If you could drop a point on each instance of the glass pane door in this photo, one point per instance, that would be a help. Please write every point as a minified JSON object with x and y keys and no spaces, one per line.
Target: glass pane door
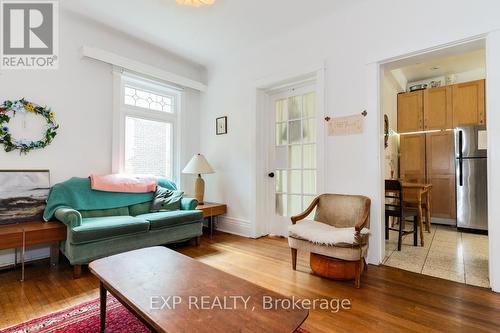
{"x":295,"y":153}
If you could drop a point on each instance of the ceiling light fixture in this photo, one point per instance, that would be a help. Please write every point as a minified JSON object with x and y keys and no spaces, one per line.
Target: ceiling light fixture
{"x":195,"y":3}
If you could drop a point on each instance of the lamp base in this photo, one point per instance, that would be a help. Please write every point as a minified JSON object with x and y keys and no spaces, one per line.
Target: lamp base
{"x":199,"y":189}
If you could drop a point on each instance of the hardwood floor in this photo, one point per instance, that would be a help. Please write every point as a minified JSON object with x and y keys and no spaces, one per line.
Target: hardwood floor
{"x":390,"y":300}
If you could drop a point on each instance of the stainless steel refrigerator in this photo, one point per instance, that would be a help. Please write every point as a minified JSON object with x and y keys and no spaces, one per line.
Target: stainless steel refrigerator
{"x":471,"y":178}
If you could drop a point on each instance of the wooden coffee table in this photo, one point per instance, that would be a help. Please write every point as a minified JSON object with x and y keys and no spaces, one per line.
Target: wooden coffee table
{"x":170,"y":292}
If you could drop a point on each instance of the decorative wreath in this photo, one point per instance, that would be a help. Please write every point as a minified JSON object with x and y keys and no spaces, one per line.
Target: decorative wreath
{"x":23,"y":106}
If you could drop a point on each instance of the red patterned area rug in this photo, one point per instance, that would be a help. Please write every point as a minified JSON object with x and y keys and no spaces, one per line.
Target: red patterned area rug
{"x":84,"y":318}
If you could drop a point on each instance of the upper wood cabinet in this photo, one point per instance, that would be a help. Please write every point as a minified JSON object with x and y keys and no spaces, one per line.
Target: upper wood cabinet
{"x":438,"y":108}
{"x":468,"y":103}
{"x":412,"y":157}
{"x":442,"y":108}
{"x":410,"y":112}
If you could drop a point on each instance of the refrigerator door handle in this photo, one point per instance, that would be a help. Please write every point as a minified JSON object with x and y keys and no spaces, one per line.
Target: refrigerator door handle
{"x":460,"y":172}
{"x":460,"y":159}
{"x":460,"y":144}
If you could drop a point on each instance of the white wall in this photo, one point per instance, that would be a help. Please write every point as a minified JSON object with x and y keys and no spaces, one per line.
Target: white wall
{"x":80,"y":92}
{"x":348,"y":42}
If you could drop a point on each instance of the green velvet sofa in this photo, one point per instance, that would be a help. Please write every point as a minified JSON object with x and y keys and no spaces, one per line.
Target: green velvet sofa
{"x":97,"y":233}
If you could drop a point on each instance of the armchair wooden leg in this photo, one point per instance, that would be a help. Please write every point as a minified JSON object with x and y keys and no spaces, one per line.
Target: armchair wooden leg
{"x":294,"y":259}
{"x":365,"y":265}
{"x":197,"y":241}
{"x":77,"y":271}
{"x":359,"y":269}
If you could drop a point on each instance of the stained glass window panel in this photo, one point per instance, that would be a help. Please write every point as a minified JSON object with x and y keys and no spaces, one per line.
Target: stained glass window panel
{"x":147,"y":100}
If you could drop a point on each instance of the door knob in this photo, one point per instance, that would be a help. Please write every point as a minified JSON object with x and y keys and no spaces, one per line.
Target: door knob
{"x":271,"y":174}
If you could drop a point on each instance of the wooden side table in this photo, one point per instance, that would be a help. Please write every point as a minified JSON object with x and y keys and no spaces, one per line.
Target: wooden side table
{"x":22,"y":235}
{"x":212,"y":211}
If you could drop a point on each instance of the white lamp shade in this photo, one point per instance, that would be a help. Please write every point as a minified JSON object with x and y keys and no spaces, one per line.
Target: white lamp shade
{"x":198,"y":165}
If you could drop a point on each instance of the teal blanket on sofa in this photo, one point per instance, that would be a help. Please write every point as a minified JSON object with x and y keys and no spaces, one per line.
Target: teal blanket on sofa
{"x":76,"y":193}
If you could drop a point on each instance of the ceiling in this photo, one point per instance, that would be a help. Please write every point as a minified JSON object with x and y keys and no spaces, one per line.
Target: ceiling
{"x":443,"y":66}
{"x":205,"y":34}
{"x":460,"y":58}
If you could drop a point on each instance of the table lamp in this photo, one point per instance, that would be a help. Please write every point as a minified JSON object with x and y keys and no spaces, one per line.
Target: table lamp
{"x":198,"y":165}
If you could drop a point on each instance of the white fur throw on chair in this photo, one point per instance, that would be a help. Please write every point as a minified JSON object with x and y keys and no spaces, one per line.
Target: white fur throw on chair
{"x":324,"y":234}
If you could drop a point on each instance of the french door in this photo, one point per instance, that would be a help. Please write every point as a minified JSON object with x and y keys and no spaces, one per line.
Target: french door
{"x":293,"y":155}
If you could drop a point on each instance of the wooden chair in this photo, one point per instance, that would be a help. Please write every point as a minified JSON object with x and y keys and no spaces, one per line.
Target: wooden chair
{"x":411,"y":200}
{"x":395,"y":207}
{"x":413,"y":204}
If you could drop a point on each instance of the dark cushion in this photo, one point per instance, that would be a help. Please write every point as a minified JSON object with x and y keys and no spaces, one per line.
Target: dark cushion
{"x":121,"y":211}
{"x":98,"y":228}
{"x":165,"y":199}
{"x":138,"y":209}
{"x":168,"y":219}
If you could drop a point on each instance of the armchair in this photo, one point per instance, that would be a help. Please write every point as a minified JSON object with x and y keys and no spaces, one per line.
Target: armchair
{"x":339,"y":230}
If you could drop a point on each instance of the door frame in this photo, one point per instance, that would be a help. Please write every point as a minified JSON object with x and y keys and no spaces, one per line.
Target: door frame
{"x":260,"y":182}
{"x":374,"y":101}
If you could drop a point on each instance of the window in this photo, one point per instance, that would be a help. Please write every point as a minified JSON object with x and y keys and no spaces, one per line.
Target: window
{"x":295,"y":146}
{"x":148,"y":147}
{"x":148,"y":117}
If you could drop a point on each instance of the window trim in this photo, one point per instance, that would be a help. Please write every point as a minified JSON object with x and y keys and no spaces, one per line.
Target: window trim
{"x":122,"y":110}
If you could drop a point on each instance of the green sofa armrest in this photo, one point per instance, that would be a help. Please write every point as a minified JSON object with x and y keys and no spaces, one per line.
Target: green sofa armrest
{"x":189,"y":204}
{"x":72,"y":218}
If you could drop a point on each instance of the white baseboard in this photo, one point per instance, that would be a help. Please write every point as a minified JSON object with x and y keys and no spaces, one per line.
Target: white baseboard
{"x":7,"y":257}
{"x":234,"y":226}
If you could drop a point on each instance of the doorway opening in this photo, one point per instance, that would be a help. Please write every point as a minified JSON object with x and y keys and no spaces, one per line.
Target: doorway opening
{"x":433,"y":106}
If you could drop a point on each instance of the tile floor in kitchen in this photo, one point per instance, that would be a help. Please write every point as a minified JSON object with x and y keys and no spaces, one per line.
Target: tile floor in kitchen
{"x":447,"y":254}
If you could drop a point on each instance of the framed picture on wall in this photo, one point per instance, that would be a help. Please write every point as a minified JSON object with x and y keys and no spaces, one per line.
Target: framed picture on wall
{"x":23,"y":195}
{"x":221,"y":125}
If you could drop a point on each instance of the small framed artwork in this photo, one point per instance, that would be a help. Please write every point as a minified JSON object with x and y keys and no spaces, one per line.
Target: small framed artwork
{"x":221,"y":126}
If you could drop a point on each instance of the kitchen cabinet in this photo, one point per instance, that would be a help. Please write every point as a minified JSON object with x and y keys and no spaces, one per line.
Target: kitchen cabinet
{"x":440,"y":147}
{"x":430,"y":158}
{"x":412,"y":157}
{"x":410,"y":111}
{"x":442,"y":108}
{"x":438,"y":108}
{"x":443,"y":203}
{"x":440,"y":167}
{"x":412,"y":162}
{"x":469,"y":103}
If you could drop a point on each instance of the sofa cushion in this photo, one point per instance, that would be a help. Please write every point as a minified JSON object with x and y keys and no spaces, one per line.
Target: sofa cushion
{"x":121,"y":211}
{"x":167,"y":219}
{"x":138,"y":209}
{"x":98,"y":228}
